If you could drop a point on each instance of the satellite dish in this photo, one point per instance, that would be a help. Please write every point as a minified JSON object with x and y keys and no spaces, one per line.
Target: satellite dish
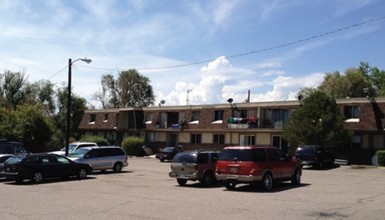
{"x":230,"y":100}
{"x":162,"y":102}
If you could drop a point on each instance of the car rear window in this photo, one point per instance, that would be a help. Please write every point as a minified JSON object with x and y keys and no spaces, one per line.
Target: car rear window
{"x":254,"y":155}
{"x":6,"y":149}
{"x":306,"y":150}
{"x":185,"y":158}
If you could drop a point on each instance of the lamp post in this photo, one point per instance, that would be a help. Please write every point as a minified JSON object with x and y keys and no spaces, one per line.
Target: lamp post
{"x":70,"y":62}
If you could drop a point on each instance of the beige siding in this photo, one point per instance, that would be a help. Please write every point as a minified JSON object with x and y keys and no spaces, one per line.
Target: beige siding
{"x":184,"y":137}
{"x":207,"y":138}
{"x":262,"y":139}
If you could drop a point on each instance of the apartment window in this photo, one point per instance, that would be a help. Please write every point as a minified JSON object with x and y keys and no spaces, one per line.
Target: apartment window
{"x":246,"y":140}
{"x":219,"y":139}
{"x":218,"y":115}
{"x":196,"y":138}
{"x":148,"y":118}
{"x":92,"y":119}
{"x":352,"y":112}
{"x":149,"y":137}
{"x":105,"y":117}
{"x":195,"y":115}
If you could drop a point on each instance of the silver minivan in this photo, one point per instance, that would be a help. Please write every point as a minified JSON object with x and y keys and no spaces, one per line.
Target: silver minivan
{"x":101,"y":158}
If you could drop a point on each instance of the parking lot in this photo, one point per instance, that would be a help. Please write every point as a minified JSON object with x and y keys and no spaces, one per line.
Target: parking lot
{"x":144,"y":191}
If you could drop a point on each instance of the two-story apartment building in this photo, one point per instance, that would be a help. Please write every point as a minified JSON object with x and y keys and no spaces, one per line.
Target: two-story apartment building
{"x":218,"y":125}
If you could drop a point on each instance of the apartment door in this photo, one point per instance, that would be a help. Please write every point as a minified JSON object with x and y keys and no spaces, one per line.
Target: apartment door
{"x":172,"y":139}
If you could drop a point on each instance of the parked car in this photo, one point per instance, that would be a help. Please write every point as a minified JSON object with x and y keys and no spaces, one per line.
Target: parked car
{"x":194,"y":165}
{"x":101,"y":158}
{"x":11,"y":147}
{"x":74,"y":146}
{"x":248,"y":164}
{"x":315,"y":156}
{"x":168,"y":153}
{"x":37,"y":167}
{"x":3,"y":158}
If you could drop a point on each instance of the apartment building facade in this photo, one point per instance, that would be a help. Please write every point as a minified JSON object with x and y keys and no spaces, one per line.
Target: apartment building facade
{"x":219,"y":125}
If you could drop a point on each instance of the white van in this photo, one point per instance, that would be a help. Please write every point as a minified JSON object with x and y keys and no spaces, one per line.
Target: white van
{"x":74,"y":146}
{"x":101,"y":158}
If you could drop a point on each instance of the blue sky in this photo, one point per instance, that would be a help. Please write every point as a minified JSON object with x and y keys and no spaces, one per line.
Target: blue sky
{"x":214,"y":49}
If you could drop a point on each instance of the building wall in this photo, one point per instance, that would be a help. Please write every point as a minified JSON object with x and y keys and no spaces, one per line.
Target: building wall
{"x":368,"y":130}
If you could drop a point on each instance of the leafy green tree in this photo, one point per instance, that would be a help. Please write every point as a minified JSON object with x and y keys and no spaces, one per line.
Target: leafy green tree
{"x":26,"y":124}
{"x":355,"y":82}
{"x":318,"y":121}
{"x":43,"y":92}
{"x":31,"y":127}
{"x":14,"y":88}
{"x":131,"y":89}
{"x":78,"y":105}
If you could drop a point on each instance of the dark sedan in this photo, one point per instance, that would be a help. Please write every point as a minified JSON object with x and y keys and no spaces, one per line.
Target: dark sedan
{"x":37,"y":167}
{"x":168,"y":153}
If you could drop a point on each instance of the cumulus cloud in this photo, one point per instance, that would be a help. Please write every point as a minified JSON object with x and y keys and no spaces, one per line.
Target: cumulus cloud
{"x":220,"y":80}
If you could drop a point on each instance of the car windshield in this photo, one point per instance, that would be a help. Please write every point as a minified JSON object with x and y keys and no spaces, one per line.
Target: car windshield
{"x":79,"y":153}
{"x":168,"y":149}
{"x":13,"y":160}
{"x":71,"y":147}
{"x":185,"y":158}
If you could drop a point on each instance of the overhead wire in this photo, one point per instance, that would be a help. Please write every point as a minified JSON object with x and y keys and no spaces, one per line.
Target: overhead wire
{"x":246,"y":53}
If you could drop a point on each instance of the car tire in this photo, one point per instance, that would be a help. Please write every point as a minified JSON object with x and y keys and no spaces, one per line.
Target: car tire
{"x":82,"y":174}
{"x":161,"y":159}
{"x":118,"y":167}
{"x":181,"y":182}
{"x":267,"y":182}
{"x":37,"y":177}
{"x":296,"y":178}
{"x":208,"y":179}
{"x":230,"y":185}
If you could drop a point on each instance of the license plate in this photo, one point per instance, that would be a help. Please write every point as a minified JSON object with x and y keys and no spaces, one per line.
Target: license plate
{"x":233,"y":169}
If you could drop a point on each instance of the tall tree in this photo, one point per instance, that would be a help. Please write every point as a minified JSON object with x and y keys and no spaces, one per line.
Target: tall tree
{"x":14,"y":88}
{"x":78,"y":106}
{"x":318,"y":121}
{"x":355,"y":82}
{"x":131,"y":89}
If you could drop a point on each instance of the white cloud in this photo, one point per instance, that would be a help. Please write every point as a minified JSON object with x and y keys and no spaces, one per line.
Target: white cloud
{"x":220,"y":62}
{"x":220,"y":81}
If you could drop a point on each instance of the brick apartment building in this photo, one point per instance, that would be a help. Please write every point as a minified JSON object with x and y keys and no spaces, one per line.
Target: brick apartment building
{"x":219,"y":125}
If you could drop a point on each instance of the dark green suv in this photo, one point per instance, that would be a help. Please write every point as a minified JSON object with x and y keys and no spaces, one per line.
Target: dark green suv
{"x":11,"y":147}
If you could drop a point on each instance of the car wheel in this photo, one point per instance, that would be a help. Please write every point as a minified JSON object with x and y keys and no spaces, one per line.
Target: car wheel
{"x":82,"y":173}
{"x":208,"y":179}
{"x":267,"y":182}
{"x":181,"y":182}
{"x":230,"y":185}
{"x":296,"y":178}
{"x":118,"y":167}
{"x":37,"y":177}
{"x":161,"y":159}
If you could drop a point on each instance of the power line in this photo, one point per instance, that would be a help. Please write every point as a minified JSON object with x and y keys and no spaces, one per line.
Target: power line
{"x":250,"y":52}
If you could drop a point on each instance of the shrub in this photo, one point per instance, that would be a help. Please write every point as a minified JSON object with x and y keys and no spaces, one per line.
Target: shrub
{"x":133,"y":146}
{"x":93,"y":138}
{"x":380,"y":157}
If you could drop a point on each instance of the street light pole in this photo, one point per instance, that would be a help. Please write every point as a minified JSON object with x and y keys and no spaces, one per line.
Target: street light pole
{"x":70,"y":62}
